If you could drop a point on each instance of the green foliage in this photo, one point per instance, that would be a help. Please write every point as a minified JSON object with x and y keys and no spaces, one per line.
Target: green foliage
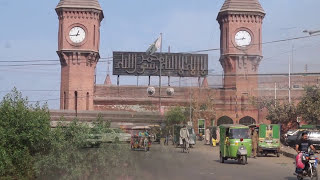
{"x":99,"y":126}
{"x":24,"y":132}
{"x":309,"y":106}
{"x":69,"y":159}
{"x":278,"y":113}
{"x":175,"y":116}
{"x":283,"y":113}
{"x":29,"y":148}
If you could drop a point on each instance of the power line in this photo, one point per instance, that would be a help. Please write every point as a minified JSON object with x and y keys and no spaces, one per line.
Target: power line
{"x":198,"y":51}
{"x":255,"y":44}
{"x":185,"y":79}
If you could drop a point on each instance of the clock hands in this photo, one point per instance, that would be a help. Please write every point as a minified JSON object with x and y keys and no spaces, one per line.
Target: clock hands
{"x":78,"y":33}
{"x":241,"y":38}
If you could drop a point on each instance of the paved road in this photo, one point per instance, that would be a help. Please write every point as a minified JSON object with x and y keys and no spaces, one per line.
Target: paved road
{"x":202,"y":163}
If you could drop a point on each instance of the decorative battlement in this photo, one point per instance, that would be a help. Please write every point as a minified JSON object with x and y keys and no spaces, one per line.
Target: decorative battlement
{"x":80,"y":14}
{"x":74,"y":57}
{"x":245,"y":17}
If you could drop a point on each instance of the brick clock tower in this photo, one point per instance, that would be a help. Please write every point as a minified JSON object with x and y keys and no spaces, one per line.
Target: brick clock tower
{"x":78,"y":50}
{"x":240,"y":41}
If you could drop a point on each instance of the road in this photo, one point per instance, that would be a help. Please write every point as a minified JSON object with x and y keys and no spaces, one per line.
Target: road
{"x":202,"y":163}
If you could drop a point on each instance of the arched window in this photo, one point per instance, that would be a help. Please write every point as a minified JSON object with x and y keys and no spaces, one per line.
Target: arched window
{"x":247,"y":121}
{"x":224,"y":120}
{"x":64,"y":100}
{"x":242,"y":104}
{"x":76,"y":100}
{"x":94,"y":35}
{"x":87,"y":101}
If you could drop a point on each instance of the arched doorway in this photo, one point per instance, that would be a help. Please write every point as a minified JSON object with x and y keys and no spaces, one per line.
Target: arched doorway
{"x":224,"y":120}
{"x":247,"y":121}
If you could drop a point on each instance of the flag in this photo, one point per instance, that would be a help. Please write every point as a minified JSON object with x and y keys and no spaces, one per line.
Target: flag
{"x":155,"y":46}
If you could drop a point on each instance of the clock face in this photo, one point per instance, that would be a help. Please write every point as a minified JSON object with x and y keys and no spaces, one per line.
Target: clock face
{"x":243,"y":38}
{"x":77,"y":34}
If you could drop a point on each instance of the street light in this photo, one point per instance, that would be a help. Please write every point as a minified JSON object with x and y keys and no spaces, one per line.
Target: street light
{"x":152,"y":91}
{"x":311,"y":32}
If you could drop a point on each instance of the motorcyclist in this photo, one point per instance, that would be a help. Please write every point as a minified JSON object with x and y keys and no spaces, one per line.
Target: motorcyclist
{"x":304,"y":143}
{"x":302,"y":146}
{"x":184,"y":135}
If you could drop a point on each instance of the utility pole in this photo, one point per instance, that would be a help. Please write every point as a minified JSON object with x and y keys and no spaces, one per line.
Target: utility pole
{"x":160,"y":86}
{"x":306,"y":68}
{"x":275,"y":93}
{"x":160,"y":64}
{"x":190,"y":108}
{"x":289,"y":80}
{"x":161,"y":43}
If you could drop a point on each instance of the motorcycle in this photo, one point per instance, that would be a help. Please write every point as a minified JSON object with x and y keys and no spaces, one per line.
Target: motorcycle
{"x":310,"y":162}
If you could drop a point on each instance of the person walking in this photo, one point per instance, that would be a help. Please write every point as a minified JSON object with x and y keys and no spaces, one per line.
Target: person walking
{"x":184,"y":136}
{"x":255,"y":139}
{"x":218,"y":135}
{"x":207,"y":136}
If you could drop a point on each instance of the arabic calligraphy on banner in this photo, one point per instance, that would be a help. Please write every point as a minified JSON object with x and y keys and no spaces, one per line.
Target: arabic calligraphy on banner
{"x":171,"y":64}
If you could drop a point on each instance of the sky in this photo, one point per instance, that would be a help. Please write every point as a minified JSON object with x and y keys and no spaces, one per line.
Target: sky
{"x":29,"y":31}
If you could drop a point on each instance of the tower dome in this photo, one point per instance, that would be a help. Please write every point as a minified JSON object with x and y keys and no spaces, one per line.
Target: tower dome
{"x":90,"y":4}
{"x":241,"y":6}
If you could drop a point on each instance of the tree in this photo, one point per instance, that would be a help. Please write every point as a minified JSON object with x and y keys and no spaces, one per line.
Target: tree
{"x":68,"y":157}
{"x":278,"y":113}
{"x":309,"y":106}
{"x":174,"y":116}
{"x":30,"y":149}
{"x":24,"y":133}
{"x":203,"y":105}
{"x":283,"y":113}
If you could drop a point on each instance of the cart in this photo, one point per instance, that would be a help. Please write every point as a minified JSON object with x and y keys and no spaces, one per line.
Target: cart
{"x":140,"y":138}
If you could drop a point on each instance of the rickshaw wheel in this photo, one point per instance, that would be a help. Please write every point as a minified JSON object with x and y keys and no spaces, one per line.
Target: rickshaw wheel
{"x":244,"y":160}
{"x":221,"y":158}
{"x":278,"y":155}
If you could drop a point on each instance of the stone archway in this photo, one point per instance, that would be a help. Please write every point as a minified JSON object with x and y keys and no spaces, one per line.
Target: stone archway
{"x":224,"y":120}
{"x":247,"y":121}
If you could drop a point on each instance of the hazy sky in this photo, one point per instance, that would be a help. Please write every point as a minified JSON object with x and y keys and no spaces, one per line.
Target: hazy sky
{"x":28,"y":31}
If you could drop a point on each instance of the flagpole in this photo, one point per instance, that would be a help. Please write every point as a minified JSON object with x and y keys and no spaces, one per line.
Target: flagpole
{"x":161,"y":42}
{"x":160,"y":75}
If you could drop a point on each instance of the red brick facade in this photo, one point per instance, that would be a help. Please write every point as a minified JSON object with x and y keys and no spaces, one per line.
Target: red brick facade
{"x":231,"y":103}
{"x":78,"y":60}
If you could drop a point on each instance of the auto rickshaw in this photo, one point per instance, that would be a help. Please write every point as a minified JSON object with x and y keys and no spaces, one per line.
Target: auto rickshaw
{"x":269,"y":139}
{"x":140,"y":138}
{"x":235,"y":143}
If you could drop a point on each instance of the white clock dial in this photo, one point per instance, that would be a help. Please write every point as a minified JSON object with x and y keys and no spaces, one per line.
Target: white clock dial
{"x":243,"y":38}
{"x":77,"y":34}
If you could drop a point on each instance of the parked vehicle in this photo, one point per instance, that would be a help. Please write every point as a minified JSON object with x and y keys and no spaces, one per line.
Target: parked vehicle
{"x":269,"y":139}
{"x":176,"y":135}
{"x":140,"y":138}
{"x":284,"y":137}
{"x":113,"y":135}
{"x":109,"y":136}
{"x":235,"y":143}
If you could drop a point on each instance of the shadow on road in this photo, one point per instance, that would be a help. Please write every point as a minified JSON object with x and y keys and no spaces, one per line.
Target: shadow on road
{"x":228,"y":161}
{"x":290,"y":178}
